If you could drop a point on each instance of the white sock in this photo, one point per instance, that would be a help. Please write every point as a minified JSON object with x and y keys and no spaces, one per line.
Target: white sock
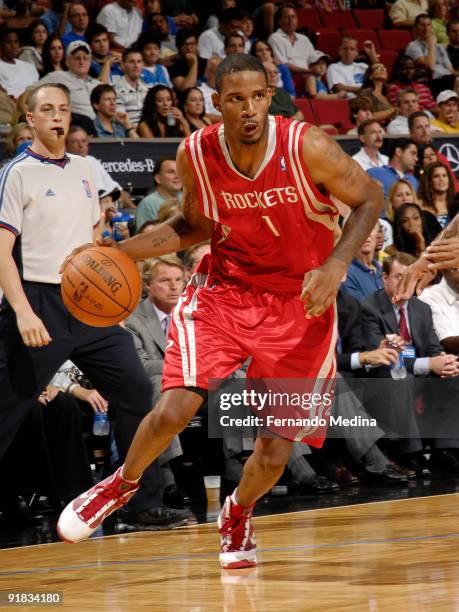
{"x":130,"y":481}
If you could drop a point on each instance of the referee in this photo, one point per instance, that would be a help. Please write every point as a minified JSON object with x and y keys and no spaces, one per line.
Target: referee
{"x":48,"y":206}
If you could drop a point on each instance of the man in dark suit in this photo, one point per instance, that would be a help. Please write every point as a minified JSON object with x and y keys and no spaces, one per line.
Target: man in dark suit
{"x":410,"y":322}
{"x":149,"y":324}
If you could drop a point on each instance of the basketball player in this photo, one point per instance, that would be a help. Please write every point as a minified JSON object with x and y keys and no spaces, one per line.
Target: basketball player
{"x":49,"y":204}
{"x":442,"y":254}
{"x":256,"y":185}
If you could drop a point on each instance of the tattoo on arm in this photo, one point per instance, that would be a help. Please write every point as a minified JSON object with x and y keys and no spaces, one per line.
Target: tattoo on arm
{"x":350,"y":174}
{"x":334,"y":153}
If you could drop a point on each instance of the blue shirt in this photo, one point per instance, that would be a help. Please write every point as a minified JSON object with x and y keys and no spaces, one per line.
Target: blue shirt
{"x":70,"y":37}
{"x":388,"y":175}
{"x":361,"y":281}
{"x":118,"y":129}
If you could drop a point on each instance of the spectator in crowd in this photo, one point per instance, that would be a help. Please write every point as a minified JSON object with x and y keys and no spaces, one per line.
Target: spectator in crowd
{"x":37,"y":33}
{"x":403,"y":78}
{"x":440,"y":19}
{"x":412,"y":322}
{"x":77,"y":79}
{"x":411,"y":232}
{"x":208,"y":88}
{"x":188,"y":68}
{"x":192,"y":107}
{"x":149,"y":326}
{"x":347,"y":74}
{"x":193,"y":256}
{"x":212,"y":42}
{"x":371,"y":135}
{"x":403,"y":155}
{"x":407,"y":103}
{"x":131,"y":91}
{"x":401,"y":192}
{"x":168,"y":185}
{"x":430,"y":56}
{"x":427,"y":154}
{"x":453,"y":46}
{"x":404,"y":12}
{"x":281,"y":102}
{"x":359,"y":111}
{"x":435,"y":190}
{"x":421,"y":134}
{"x":234,"y":43}
{"x":443,"y":300}
{"x":448,"y":112}
{"x":19,"y":134}
{"x":153,"y":73}
{"x":78,"y":17}
{"x":248,"y":29}
{"x":221,"y":5}
{"x":374,"y":87}
{"x":262,"y":50}
{"x":316,"y":83}
{"x":15,"y":74}
{"x":53,"y":55}
{"x":364,"y":274}
{"x":160,"y":27}
{"x":109,"y":122}
{"x":289,"y":47}
{"x":77,"y":142}
{"x":160,"y":118}
{"x":105,"y":63}
{"x":123,"y":22}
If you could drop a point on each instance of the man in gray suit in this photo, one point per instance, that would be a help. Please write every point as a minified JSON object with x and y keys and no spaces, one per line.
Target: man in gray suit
{"x":164,"y":279}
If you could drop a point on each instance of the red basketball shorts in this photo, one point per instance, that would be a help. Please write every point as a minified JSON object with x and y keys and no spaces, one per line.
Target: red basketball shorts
{"x":216,"y":327}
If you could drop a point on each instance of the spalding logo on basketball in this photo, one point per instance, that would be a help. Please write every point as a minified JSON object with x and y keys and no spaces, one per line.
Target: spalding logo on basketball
{"x":101,"y":286}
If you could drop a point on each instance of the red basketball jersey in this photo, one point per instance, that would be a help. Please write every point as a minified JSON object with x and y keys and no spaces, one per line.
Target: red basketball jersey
{"x":272,"y":229}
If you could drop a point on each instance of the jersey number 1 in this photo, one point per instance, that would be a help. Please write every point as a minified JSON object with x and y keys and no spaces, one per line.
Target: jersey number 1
{"x":271,"y":225}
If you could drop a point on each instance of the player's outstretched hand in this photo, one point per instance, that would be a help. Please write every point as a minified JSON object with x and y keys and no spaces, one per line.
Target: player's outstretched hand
{"x":320,"y":287}
{"x":444,"y":254}
{"x":32,"y":330}
{"x":73,"y":253}
{"x":415,"y":278}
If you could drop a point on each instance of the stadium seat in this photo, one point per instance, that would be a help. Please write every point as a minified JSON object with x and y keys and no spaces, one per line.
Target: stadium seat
{"x":371,"y":20}
{"x":310,"y":19}
{"x":332,"y":112}
{"x":362,"y":35}
{"x":299,"y":80}
{"x":396,"y":40}
{"x":388,"y":57}
{"x":304,"y":105}
{"x":328,"y":41}
{"x":337,"y":20}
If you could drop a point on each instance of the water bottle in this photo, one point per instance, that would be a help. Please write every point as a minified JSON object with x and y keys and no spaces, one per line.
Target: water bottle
{"x":118,"y":220}
{"x":171,"y":121}
{"x":101,"y":424}
{"x":398,"y":369}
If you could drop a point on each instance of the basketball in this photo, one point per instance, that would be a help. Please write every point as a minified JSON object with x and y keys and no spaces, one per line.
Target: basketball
{"x":101,"y":286}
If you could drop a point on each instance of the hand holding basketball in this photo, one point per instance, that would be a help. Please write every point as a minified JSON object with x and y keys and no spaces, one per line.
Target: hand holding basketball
{"x":101,"y":286}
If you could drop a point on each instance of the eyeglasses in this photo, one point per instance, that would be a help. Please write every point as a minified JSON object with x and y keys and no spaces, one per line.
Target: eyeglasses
{"x":379,"y":68}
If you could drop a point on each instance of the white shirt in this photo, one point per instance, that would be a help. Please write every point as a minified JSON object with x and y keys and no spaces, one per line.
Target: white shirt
{"x":53,"y":208}
{"x":399,"y":125}
{"x":16,"y":77}
{"x":362,"y":158}
{"x":164,"y":318}
{"x":285,"y":52}
{"x":104,"y":182}
{"x":444,"y":304}
{"x":346,"y":74}
{"x":130,"y":99}
{"x":125,"y":25}
{"x":211,"y":42}
{"x":208,"y":104}
{"x":80,"y":90}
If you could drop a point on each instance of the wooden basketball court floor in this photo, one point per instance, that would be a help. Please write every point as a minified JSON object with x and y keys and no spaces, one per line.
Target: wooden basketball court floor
{"x":394,"y":555}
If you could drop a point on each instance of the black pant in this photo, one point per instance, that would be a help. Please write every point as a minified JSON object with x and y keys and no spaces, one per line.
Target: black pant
{"x":107,"y":356}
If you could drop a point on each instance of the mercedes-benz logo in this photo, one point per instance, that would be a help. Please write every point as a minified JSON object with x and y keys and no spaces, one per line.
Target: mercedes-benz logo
{"x":452,"y":154}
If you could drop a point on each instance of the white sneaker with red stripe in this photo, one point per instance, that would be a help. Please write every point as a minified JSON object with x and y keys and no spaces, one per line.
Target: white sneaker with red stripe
{"x":238,"y":546}
{"x":82,"y":516}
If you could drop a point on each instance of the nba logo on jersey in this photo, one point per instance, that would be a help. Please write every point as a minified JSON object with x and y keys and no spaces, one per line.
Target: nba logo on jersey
{"x":87,"y":188}
{"x":282,"y":164}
